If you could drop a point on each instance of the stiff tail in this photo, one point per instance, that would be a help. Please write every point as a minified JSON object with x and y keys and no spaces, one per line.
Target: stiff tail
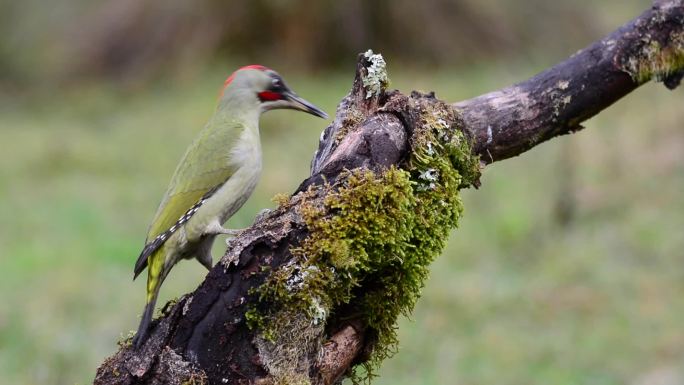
{"x":155,"y":277}
{"x":144,"y":328}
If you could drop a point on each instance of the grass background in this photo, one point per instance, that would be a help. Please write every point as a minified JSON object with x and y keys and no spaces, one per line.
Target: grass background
{"x":520,"y":296}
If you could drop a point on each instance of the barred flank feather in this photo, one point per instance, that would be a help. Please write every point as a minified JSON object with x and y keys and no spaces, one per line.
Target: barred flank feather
{"x":159,"y":240}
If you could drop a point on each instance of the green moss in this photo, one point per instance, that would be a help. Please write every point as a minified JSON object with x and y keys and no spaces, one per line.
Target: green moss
{"x":372,"y":238}
{"x":126,"y":340}
{"x":651,"y":60}
{"x":256,"y":320}
{"x":281,"y":199}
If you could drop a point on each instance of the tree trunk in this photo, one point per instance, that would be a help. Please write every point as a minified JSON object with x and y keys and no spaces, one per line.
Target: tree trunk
{"x":313,"y":289}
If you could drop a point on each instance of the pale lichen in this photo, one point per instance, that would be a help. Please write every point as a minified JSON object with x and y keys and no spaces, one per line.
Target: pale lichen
{"x":375,"y":80}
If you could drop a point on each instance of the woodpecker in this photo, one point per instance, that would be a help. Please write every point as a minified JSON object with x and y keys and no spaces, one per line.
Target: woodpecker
{"x":217,"y":174}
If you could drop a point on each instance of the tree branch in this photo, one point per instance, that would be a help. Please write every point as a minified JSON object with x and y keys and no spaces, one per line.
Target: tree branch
{"x":510,"y":121}
{"x":213,"y":334}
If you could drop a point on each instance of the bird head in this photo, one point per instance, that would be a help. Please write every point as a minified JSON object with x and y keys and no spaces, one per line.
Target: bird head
{"x":266,"y":88}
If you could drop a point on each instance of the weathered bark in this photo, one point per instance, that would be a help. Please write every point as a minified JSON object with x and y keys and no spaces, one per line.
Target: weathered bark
{"x":204,"y":337}
{"x":510,"y":121}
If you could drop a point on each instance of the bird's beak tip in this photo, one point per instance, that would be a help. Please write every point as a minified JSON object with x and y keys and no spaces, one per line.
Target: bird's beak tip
{"x":303,"y":105}
{"x":313,"y":110}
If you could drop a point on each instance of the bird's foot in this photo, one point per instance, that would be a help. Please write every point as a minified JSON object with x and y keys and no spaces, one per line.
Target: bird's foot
{"x":231,"y":232}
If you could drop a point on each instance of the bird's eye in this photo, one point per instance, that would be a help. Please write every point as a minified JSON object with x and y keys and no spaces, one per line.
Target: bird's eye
{"x":276,"y":83}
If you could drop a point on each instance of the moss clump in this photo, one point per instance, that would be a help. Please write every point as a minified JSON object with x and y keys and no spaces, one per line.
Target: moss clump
{"x":281,"y":199}
{"x":372,"y":238}
{"x":126,"y":341}
{"x":283,"y":353}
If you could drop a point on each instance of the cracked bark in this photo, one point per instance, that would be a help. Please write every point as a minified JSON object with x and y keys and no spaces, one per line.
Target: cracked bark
{"x":203,"y":337}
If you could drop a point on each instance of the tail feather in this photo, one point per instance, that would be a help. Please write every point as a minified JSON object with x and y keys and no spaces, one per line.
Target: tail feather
{"x":156,"y":273}
{"x":147,"y":251}
{"x":144,"y":328}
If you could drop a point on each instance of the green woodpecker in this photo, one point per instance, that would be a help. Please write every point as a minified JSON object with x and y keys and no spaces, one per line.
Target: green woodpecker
{"x":213,"y":179}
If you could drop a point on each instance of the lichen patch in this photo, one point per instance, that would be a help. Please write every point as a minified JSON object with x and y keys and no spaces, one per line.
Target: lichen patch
{"x":375,"y":80}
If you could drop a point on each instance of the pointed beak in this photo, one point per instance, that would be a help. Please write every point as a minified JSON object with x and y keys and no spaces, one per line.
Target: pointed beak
{"x":297,"y":103}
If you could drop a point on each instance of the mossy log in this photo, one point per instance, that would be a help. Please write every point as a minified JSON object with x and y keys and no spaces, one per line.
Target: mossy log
{"x":313,"y":289}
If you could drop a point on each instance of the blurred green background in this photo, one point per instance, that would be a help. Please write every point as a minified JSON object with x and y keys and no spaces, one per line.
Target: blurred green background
{"x":568,"y":267}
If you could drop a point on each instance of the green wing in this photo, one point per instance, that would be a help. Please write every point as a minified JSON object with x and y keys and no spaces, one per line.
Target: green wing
{"x":204,"y":166}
